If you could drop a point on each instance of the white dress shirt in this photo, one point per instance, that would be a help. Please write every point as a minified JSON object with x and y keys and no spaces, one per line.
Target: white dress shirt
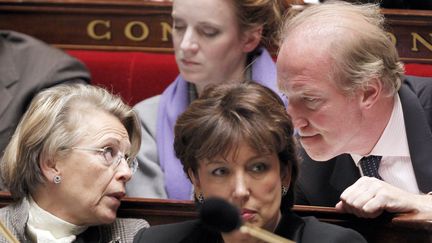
{"x":395,"y":167}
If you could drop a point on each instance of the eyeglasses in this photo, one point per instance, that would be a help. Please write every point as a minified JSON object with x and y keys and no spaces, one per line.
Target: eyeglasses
{"x":113,"y":157}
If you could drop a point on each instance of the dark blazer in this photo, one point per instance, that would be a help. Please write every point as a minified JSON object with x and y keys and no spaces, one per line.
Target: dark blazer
{"x":301,"y":230}
{"x":28,"y":65}
{"x":321,"y":183}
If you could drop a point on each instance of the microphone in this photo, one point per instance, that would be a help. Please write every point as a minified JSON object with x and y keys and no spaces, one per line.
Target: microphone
{"x":222,"y":216}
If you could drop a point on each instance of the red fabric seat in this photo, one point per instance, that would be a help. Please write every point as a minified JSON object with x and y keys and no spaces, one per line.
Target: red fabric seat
{"x":133,"y":75}
{"x":139,"y":75}
{"x":416,"y":69}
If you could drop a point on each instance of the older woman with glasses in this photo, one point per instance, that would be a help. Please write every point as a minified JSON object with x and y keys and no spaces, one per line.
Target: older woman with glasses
{"x":67,"y":165}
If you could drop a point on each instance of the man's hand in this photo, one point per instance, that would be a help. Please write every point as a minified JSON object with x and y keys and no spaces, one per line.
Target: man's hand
{"x":369,"y":197}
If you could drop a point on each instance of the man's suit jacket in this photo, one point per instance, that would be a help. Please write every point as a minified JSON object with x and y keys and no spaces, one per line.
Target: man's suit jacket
{"x":28,"y":65}
{"x":15,"y":217}
{"x":301,"y":230}
{"x":321,"y":183}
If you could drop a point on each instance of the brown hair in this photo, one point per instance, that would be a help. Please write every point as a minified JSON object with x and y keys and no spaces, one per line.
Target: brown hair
{"x":266,"y":13}
{"x":229,"y":114}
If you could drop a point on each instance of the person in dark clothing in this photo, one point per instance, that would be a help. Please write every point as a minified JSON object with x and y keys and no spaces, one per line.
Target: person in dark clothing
{"x":235,"y":142}
{"x":364,"y":127}
{"x":27,"y":66}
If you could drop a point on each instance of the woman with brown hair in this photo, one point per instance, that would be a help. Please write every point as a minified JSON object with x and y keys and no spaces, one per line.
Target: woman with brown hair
{"x":235,"y":142}
{"x":215,"y":42}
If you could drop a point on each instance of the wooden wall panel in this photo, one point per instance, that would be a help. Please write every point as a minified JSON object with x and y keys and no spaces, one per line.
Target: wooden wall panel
{"x":146,"y":25}
{"x":411,"y":32}
{"x":92,"y":24}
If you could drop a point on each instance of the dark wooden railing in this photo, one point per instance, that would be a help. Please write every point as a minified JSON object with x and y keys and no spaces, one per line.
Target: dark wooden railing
{"x":386,"y":228}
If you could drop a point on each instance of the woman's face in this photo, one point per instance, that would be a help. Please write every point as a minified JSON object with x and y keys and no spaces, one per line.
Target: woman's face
{"x":90,"y":191}
{"x":250,"y":180}
{"x":209,"y":47}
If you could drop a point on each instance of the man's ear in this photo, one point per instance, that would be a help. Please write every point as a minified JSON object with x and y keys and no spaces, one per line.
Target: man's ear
{"x":48,"y":168}
{"x":252,"y":38}
{"x":371,"y":93}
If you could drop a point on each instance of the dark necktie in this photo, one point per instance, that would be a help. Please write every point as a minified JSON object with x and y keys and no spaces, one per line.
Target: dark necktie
{"x":369,"y":166}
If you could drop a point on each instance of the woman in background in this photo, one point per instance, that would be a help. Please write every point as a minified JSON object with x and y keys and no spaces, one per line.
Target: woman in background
{"x":67,"y":165}
{"x":235,"y":142}
{"x":215,"y":42}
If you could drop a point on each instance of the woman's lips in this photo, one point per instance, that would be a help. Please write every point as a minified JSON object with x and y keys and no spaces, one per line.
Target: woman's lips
{"x":248,"y":215}
{"x":116,"y":197}
{"x":309,"y":138}
{"x":189,"y":62}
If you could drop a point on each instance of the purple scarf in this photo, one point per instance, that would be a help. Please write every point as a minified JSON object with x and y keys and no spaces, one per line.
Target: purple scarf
{"x":174,"y":100}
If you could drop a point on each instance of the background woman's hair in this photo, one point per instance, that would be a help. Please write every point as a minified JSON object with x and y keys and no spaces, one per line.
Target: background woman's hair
{"x":266,"y":13}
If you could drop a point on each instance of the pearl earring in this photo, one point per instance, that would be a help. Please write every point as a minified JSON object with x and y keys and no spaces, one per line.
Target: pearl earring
{"x":57,"y":179}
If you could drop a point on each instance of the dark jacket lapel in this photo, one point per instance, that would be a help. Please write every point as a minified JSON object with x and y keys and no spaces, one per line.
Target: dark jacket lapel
{"x":419,"y":138}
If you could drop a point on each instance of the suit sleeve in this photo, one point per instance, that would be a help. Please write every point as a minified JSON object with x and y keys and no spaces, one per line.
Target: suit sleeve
{"x":66,"y":69}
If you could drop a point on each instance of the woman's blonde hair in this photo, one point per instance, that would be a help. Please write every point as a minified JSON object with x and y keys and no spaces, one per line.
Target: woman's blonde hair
{"x":51,"y":124}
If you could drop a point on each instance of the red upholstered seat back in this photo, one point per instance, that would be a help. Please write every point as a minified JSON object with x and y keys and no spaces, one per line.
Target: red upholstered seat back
{"x":133,"y":75}
{"x":139,"y":75}
{"x":416,"y":69}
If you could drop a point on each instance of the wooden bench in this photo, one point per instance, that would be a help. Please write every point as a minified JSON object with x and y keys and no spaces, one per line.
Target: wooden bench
{"x":387,"y":228}
{"x":392,"y":228}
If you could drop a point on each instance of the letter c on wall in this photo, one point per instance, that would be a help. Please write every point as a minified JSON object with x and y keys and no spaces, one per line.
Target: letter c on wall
{"x":92,"y":32}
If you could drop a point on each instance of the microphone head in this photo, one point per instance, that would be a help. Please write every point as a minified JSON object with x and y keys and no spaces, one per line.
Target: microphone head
{"x":220,"y":215}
